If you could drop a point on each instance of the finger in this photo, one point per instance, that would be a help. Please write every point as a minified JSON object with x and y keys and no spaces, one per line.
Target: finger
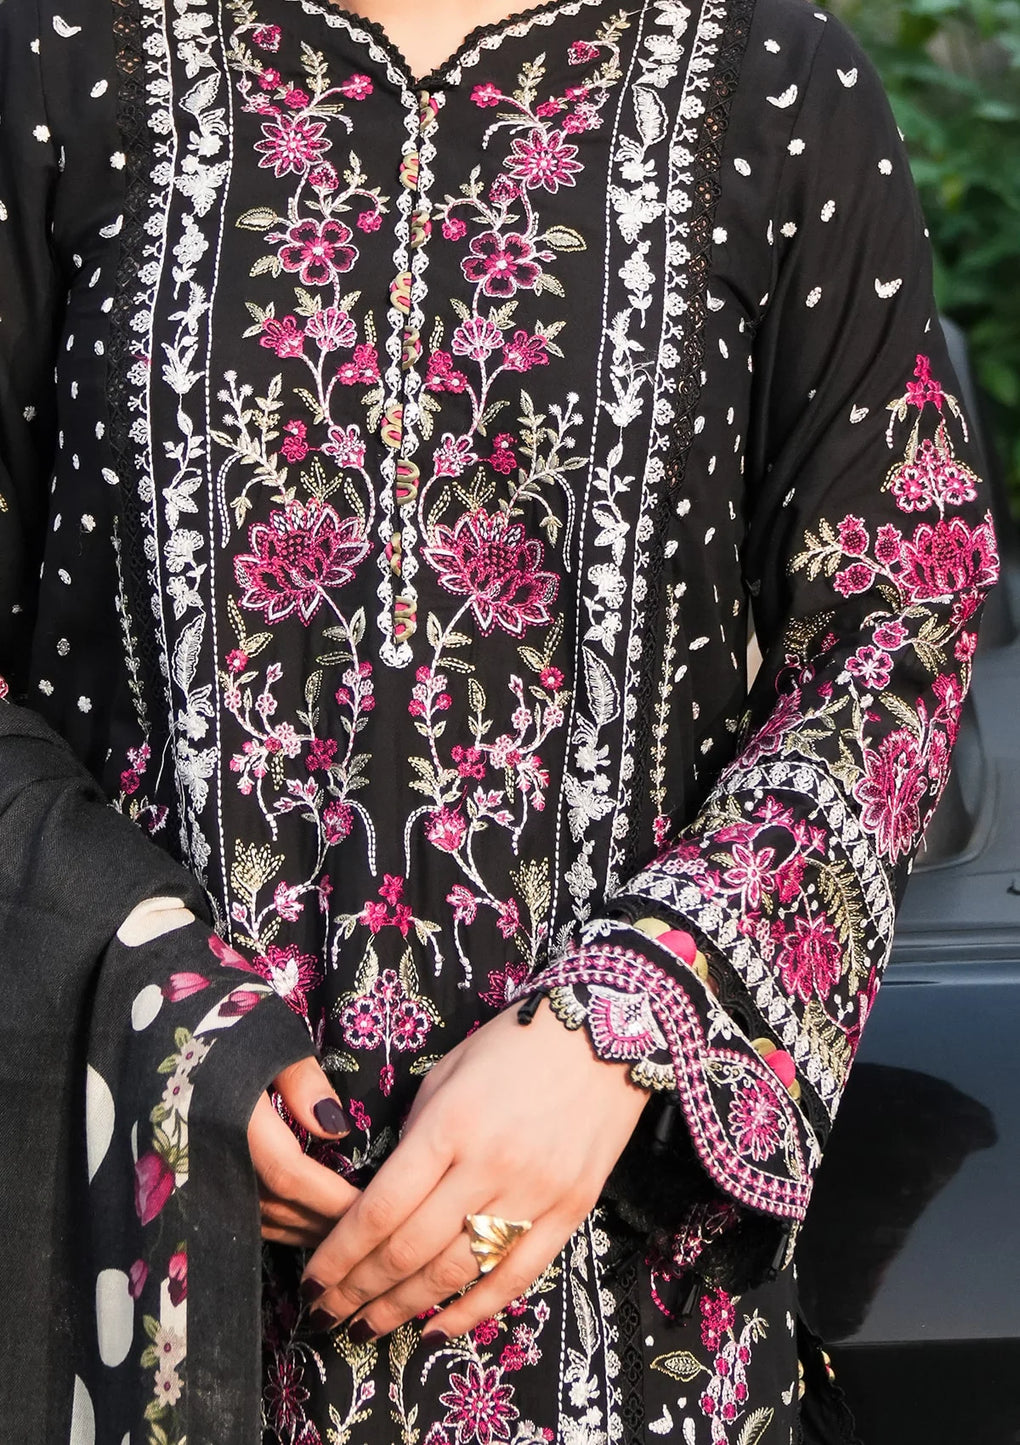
{"x":430,"y":1231}
{"x":297,"y":1238}
{"x":283,"y":1214}
{"x":285,"y":1172}
{"x":310,"y":1097}
{"x":407,"y":1178}
{"x":525,"y":1263}
{"x":444,"y":1275}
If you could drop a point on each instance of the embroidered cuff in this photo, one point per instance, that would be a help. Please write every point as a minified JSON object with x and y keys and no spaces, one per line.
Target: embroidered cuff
{"x":641,"y":1006}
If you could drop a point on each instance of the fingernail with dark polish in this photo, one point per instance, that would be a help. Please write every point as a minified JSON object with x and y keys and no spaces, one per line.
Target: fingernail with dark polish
{"x":321,"y":1320}
{"x":434,"y":1337}
{"x":360,"y":1332}
{"x":310,"y":1290}
{"x":331,"y":1117}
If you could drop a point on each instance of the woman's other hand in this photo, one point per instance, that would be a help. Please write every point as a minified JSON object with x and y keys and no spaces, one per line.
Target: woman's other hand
{"x":521,"y":1122}
{"x":300,"y":1200}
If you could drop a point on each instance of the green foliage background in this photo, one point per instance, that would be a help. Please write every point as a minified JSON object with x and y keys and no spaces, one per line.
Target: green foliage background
{"x":952,"y":70}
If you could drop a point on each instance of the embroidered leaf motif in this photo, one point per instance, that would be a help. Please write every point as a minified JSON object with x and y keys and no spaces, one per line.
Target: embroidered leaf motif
{"x":651,"y":115}
{"x":755,"y":1425}
{"x":339,"y":1063}
{"x":602,"y":693}
{"x":679,"y":1365}
{"x":564,"y":238}
{"x":259,"y":218}
{"x":587,"y":1329}
{"x":186,"y":652}
{"x":368,"y":971}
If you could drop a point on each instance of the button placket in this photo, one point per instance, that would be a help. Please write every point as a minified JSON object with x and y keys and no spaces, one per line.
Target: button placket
{"x":396,"y":435}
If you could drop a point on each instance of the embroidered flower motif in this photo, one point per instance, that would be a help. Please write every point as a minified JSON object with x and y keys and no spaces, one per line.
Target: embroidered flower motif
{"x":290,"y":974}
{"x":478,"y":1406}
{"x":331,"y":329}
{"x":454,"y":455}
{"x":267,"y":37}
{"x":524,"y":352}
{"x":488,"y":560}
{"x":357,"y":87}
{"x":337,"y":821}
{"x":477,"y":338}
{"x":487,"y":94}
{"x":890,"y":792}
{"x":292,"y":144}
{"x":871,"y":667}
{"x":502,"y":265}
{"x":297,"y":558}
{"x":925,"y":389}
{"x":946,"y":557}
{"x":362,"y":369}
{"x":810,"y":957}
{"x":544,"y":161}
{"x":284,"y":337}
{"x":446,"y":830}
{"x":755,"y":1122}
{"x":345,"y":446}
{"x":317,"y":251}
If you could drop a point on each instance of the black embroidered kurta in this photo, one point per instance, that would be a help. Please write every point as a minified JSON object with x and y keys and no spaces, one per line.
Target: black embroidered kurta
{"x":405,"y":460}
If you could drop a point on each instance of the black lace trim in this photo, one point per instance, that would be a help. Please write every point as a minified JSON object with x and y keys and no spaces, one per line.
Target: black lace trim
{"x":471,"y":41}
{"x":151,"y":701}
{"x":707,"y":165}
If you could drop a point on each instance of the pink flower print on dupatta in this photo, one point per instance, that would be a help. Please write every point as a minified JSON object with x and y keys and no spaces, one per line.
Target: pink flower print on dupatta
{"x":154,"y":1184}
{"x":292,"y":144}
{"x":317,"y":251}
{"x":488,"y":560}
{"x":296,"y":558}
{"x":478,"y":1406}
{"x":502,"y":265}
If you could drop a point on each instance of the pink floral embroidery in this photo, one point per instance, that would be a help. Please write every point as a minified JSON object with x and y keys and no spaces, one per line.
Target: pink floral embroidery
{"x":488,"y":560}
{"x":502,"y":265}
{"x":317,"y":251}
{"x":890,"y":792}
{"x":478,"y":1407}
{"x":755,"y":1122}
{"x":297,"y":559}
{"x":810,"y":957}
{"x":544,"y":160}
{"x":292,"y":144}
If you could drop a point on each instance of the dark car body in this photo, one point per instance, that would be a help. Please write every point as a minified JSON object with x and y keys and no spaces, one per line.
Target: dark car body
{"x":910,"y":1258}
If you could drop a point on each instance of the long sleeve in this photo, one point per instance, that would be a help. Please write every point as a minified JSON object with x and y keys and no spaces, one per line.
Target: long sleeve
{"x":30,"y":298}
{"x":868,"y":550}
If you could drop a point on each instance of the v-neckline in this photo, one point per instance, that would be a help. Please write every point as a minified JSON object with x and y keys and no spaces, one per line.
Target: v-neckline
{"x":395,"y":55}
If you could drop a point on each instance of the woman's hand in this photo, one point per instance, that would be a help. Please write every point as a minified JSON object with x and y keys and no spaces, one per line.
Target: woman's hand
{"x":521,"y":1122}
{"x":300,"y":1199}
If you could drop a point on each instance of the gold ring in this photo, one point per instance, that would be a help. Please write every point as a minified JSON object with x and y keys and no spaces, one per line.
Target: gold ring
{"x":492,"y":1238}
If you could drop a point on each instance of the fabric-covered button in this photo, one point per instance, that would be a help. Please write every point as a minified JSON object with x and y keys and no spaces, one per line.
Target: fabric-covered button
{"x":410,"y":349}
{"x":392,"y":429}
{"x":405,"y":621}
{"x":407,"y":481}
{"x":394,"y":554}
{"x":421,"y":229}
{"x":410,"y":168}
{"x":400,"y":292}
